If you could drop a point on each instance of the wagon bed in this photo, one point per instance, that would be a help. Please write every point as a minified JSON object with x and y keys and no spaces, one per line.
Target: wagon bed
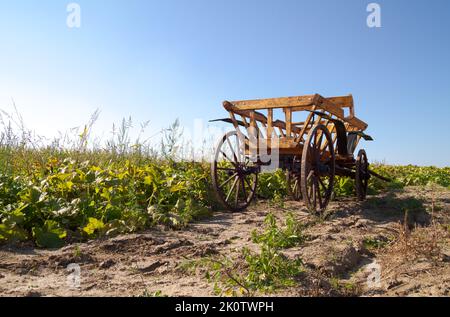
{"x":289,"y":133}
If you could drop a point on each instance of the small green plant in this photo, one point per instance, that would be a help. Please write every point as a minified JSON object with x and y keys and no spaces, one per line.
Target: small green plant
{"x":77,"y":252}
{"x":221,"y":272}
{"x":270,"y":270}
{"x":190,"y":266}
{"x":265,"y":271}
{"x":279,"y":238}
{"x":344,"y":288}
{"x":344,"y":186}
{"x":272,"y":186}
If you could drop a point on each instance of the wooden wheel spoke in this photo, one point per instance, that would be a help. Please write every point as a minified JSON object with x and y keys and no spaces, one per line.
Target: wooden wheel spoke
{"x":310,"y":175}
{"x":314,"y":139}
{"x":248,"y":183}
{"x":295,"y":186}
{"x":316,"y":150}
{"x":322,"y":150}
{"x":241,"y":151}
{"x":236,"y":195}
{"x":247,"y":161}
{"x":319,"y":145}
{"x":314,"y":193}
{"x":226,"y":156}
{"x":231,"y":189}
{"x":232,"y":151}
{"x":318,"y":193}
{"x":228,"y":180}
{"x":322,"y":184}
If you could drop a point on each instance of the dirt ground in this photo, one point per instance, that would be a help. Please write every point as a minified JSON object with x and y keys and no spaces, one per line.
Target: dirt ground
{"x":360,"y":249}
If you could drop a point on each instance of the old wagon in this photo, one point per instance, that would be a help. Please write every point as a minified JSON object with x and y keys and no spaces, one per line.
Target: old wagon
{"x":312,"y":151}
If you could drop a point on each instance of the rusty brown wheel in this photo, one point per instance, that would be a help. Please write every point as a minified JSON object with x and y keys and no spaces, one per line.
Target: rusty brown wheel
{"x":234,"y":175}
{"x":362,"y":175}
{"x":317,"y":169}
{"x":293,"y":181}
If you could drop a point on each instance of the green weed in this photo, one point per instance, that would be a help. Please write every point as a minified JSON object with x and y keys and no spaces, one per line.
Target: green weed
{"x":277,"y":237}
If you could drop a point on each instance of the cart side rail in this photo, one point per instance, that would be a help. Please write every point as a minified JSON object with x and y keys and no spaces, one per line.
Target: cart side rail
{"x":333,"y":105}
{"x":261,"y":123}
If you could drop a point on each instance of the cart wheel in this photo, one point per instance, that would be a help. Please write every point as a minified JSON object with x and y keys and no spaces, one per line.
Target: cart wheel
{"x":317,"y":169}
{"x":293,"y":185}
{"x":234,"y":175}
{"x":362,"y":175}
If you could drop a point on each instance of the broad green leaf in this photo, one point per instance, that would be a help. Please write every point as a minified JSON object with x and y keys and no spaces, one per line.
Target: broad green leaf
{"x":69,"y":185}
{"x":51,"y":235}
{"x":11,"y":234}
{"x":15,"y":217}
{"x":148,"y":180}
{"x":106,"y":194}
{"x":90,"y":177}
{"x":94,"y":225}
{"x":32,"y":195}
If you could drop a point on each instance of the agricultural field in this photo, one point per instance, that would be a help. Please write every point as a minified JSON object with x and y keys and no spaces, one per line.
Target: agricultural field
{"x":145,"y":223}
{"x":237,"y":153}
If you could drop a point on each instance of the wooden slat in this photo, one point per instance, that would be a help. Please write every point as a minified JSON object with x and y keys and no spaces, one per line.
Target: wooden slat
{"x":288,"y":102}
{"x":281,"y":143}
{"x":230,"y":107}
{"x":244,"y":119}
{"x":254,"y":127}
{"x":342,"y":101}
{"x":303,"y":108}
{"x":269,"y":123}
{"x":303,"y":130}
{"x":327,"y":105}
{"x":284,"y":102}
{"x":282,"y":125}
{"x":288,"y":115}
{"x":354,"y":121}
{"x":333,"y":137}
{"x":253,"y":119}
{"x":263,"y":130}
{"x":235,"y":124}
{"x":258,"y":116}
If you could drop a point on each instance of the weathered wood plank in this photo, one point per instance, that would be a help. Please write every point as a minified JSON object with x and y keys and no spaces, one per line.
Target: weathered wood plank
{"x":269,"y":123}
{"x":354,"y":121}
{"x":342,"y":101}
{"x":327,"y":105}
{"x":285,"y":102}
{"x":288,"y":114}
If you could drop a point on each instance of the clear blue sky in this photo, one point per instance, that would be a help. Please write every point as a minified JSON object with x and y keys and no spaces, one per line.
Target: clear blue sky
{"x":159,"y":60}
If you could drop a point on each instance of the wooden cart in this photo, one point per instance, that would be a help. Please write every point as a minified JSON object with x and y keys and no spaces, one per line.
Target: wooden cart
{"x":311,"y":152}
